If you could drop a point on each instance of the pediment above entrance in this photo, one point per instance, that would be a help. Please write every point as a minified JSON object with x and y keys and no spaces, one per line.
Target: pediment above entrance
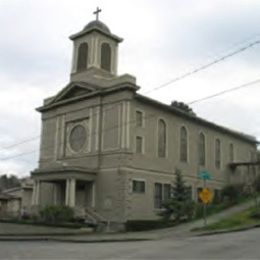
{"x":73,"y":90}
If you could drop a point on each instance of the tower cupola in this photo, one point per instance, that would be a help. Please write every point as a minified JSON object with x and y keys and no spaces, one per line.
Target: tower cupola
{"x":95,"y":47}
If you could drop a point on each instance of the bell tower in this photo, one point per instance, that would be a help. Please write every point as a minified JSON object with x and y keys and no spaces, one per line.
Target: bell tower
{"x":95,"y":50}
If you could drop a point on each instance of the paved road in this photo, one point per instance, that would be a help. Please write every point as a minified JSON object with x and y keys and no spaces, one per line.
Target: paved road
{"x":239,"y":245}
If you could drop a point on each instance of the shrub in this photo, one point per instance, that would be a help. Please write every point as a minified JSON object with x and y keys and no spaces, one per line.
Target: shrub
{"x":56,"y":214}
{"x":257,"y":184}
{"x":180,"y":206}
{"x":255,"y":213}
{"x":232,"y":192}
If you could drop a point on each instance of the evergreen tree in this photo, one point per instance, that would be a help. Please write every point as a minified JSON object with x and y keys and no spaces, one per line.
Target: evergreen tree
{"x":181,"y":204}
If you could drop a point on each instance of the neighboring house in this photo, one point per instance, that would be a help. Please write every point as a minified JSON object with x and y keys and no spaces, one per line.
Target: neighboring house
{"x":16,"y":202}
{"x":108,"y":149}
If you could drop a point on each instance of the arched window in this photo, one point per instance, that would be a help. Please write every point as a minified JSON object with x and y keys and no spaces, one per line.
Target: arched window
{"x":183,"y":145}
{"x":106,"y":56}
{"x":82,"y":56}
{"x":217,"y":153}
{"x":202,"y":149}
{"x":231,"y":152}
{"x":161,"y":138}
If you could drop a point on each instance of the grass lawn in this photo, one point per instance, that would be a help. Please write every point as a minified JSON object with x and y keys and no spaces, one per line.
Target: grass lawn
{"x":239,"y":220}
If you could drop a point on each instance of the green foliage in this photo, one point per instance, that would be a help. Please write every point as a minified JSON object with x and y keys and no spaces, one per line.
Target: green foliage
{"x":255,"y":214}
{"x":142,"y":225}
{"x":257,"y":184}
{"x":232,"y":192}
{"x":56,"y":214}
{"x":9,"y":182}
{"x":184,"y":107}
{"x":180,"y":205}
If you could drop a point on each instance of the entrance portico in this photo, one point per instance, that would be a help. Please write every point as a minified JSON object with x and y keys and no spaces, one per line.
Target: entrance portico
{"x":75,"y":188}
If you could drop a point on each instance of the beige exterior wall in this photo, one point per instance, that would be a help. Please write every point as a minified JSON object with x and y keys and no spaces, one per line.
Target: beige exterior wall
{"x":112,"y":131}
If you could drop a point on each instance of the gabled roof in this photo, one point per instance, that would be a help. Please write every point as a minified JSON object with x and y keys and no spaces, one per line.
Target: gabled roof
{"x":74,"y":89}
{"x":197,"y":119}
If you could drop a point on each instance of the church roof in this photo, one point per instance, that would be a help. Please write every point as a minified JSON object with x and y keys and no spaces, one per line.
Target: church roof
{"x":99,"y":26}
{"x":197,"y":119}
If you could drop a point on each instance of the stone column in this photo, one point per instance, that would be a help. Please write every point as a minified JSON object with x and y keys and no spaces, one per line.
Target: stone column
{"x":72,"y":193}
{"x":36,"y":193}
{"x":55,"y":194}
{"x":67,"y":194}
{"x":93,"y":194}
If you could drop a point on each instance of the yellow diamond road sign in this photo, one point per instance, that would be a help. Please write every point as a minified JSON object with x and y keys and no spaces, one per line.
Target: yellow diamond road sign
{"x":205,"y":195}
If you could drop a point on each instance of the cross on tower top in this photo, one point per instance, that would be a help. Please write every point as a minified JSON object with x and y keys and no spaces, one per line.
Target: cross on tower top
{"x":97,"y":13}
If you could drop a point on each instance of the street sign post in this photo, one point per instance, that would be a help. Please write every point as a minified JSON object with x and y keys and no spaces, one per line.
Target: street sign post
{"x":205,"y":195}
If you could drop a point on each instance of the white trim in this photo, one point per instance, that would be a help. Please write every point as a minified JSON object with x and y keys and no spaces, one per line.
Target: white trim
{"x":56,"y":141}
{"x":128,"y":125}
{"x":93,"y":202}
{"x":97,"y":128}
{"x":90,"y":130}
{"x":123,"y":118}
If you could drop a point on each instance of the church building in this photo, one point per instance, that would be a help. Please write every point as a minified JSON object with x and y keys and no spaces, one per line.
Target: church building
{"x":111,"y":153}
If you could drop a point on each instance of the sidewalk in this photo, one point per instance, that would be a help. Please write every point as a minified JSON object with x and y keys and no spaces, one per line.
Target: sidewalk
{"x":14,"y":232}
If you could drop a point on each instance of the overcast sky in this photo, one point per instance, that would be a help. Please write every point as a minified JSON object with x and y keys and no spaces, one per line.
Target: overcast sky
{"x":162,"y":40}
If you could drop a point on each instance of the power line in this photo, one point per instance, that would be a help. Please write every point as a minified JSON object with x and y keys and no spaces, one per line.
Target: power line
{"x":134,"y":120}
{"x":18,"y":155}
{"x":21,"y":142}
{"x":251,"y":83}
{"x":167,"y":83}
{"x":203,"y":67}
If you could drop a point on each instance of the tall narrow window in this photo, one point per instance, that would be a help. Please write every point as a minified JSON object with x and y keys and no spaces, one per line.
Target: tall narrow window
{"x":82,"y":56}
{"x":183,"y":145}
{"x":106,"y":57}
{"x":161,"y":138}
{"x":158,"y":197}
{"x":202,"y":149}
{"x":139,"y":118}
{"x":162,"y":193}
{"x":139,"y":144}
{"x":217,"y":153}
{"x":231,"y":153}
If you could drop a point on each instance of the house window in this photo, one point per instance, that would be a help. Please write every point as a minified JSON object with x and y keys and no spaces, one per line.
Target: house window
{"x":231,"y":153}
{"x":139,"y":119}
{"x":138,"y":186}
{"x":162,"y":193}
{"x":202,"y":149}
{"x":106,"y":57}
{"x":161,"y":138}
{"x":139,"y":144}
{"x":217,"y":153}
{"x":183,"y":145}
{"x":82,"y":56}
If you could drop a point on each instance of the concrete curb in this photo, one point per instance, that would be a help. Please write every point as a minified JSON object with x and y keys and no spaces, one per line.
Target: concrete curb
{"x":223,"y":231}
{"x":70,"y":240}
